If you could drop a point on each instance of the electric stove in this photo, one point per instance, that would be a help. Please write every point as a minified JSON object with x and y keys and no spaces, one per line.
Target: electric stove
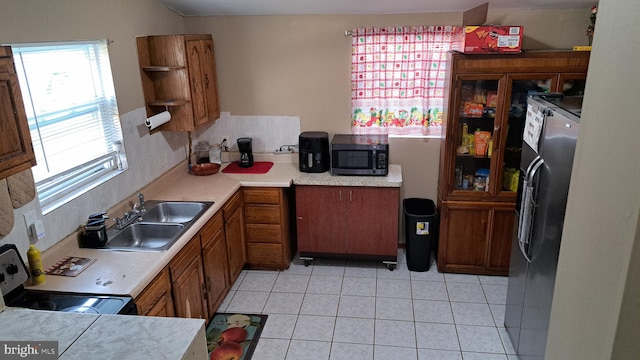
{"x":14,"y":273}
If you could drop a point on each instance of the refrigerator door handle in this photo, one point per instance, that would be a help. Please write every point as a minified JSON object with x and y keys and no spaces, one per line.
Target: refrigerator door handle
{"x":527,"y":208}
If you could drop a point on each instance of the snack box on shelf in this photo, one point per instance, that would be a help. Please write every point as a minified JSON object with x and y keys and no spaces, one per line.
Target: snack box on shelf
{"x":491,"y":39}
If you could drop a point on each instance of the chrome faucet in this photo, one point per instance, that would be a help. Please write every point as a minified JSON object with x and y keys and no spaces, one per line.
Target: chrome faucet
{"x":132,"y":215}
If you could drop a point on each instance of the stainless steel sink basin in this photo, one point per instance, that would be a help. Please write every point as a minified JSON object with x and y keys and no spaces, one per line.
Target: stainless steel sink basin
{"x":173,"y":212}
{"x":159,"y":227}
{"x":149,"y":236}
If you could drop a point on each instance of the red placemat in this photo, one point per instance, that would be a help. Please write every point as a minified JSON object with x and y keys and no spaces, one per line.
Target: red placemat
{"x":259,"y":167}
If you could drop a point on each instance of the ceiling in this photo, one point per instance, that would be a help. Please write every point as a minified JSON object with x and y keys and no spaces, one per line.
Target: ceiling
{"x":300,"y":7}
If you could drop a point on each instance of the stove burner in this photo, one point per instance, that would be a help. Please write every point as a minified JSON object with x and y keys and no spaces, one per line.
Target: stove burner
{"x":81,"y":309}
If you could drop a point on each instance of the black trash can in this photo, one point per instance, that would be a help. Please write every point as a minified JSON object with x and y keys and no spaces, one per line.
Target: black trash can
{"x":421,"y":228}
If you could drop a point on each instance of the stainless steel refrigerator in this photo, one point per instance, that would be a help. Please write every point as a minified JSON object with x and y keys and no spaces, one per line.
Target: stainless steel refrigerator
{"x":550,"y":135}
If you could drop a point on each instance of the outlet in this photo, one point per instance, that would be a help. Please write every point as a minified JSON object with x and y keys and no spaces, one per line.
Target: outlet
{"x":30,"y":218}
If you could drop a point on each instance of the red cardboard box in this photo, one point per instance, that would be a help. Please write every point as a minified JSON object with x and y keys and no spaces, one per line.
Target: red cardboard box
{"x":492,"y":39}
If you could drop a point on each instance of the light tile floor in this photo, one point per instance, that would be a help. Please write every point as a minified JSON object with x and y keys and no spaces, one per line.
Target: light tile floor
{"x":360,"y":310}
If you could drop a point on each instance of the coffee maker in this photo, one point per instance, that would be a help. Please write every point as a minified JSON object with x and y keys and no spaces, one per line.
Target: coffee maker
{"x":246,"y":153}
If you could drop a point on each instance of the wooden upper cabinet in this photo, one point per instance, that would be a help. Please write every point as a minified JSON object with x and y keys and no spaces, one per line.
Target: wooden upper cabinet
{"x":178,"y":74}
{"x":16,"y":151}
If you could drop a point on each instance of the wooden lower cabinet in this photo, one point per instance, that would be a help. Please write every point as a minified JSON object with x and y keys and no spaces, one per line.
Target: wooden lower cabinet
{"x":187,"y":282}
{"x":214,"y":260}
{"x":347,"y":221}
{"x":475,"y":238}
{"x":234,"y":231}
{"x":155,"y":299}
{"x":266,"y":214}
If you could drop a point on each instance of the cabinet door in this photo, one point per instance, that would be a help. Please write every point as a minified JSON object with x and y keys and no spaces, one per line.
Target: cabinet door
{"x":214,"y":257}
{"x":236,"y":253}
{"x":372,"y":225}
{"x":196,"y":60}
{"x":155,"y":299}
{"x":187,"y":281}
{"x":16,"y":152}
{"x":321,"y":219}
{"x":499,"y":251}
{"x":210,"y":81}
{"x":463,"y":241}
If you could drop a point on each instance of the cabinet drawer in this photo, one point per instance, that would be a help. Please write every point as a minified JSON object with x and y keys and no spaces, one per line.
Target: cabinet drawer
{"x":215,"y":224}
{"x":231,"y":205}
{"x":262,"y":214}
{"x":261,"y":196}
{"x":181,"y":262}
{"x":154,"y":292}
{"x":266,"y":255}
{"x":264,"y":233}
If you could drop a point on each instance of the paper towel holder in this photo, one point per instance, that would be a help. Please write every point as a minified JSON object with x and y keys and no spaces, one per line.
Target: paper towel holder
{"x":158,"y":119}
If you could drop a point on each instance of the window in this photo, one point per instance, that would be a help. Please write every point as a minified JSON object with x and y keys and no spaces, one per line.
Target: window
{"x":73,"y":117}
{"x":398,"y":79}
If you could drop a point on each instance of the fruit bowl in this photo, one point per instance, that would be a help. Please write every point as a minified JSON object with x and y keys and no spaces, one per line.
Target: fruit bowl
{"x":205,"y":169}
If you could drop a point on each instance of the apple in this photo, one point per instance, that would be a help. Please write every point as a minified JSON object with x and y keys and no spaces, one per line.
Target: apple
{"x":233,"y":334}
{"x":227,"y":351}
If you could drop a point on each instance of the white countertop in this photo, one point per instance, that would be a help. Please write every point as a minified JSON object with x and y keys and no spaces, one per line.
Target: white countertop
{"x":121,"y":337}
{"x":128,"y":273}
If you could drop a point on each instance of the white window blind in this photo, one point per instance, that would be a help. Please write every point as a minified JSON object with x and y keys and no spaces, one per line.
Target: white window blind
{"x":73,"y":116}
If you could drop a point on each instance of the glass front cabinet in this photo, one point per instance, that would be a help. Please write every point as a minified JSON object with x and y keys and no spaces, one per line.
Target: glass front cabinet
{"x":480,"y":155}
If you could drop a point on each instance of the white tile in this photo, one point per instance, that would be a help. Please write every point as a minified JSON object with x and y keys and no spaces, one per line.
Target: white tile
{"x":394,"y":309}
{"x":271,"y":349}
{"x":248,"y":301}
{"x":431,"y":275}
{"x":227,"y":300}
{"x":437,"y":336}
{"x":343,"y":351}
{"x":383,"y":352}
{"x":434,"y":311}
{"x":462,"y":278}
{"x":310,"y":327}
{"x":393,"y":288}
{"x":359,"y":286}
{"x":308,"y":350}
{"x":466,"y":292}
{"x":283,"y":303}
{"x":279,"y":326}
{"x":480,"y":339}
{"x":258,"y":281}
{"x":493,"y":280}
{"x":430,"y":354}
{"x":319,"y":304}
{"x":238,"y":281}
{"x":401,"y":272}
{"x":472,"y":314}
{"x":395,"y":333}
{"x":506,"y":340}
{"x":361,"y":269}
{"x":297,"y":267}
{"x":324,"y":284}
{"x":328,"y":267}
{"x":482,"y":356}
{"x":429,"y":290}
{"x":353,"y":330}
{"x":496,"y":294}
{"x":291,"y":283}
{"x":357,"y":306}
{"x":497,"y":311}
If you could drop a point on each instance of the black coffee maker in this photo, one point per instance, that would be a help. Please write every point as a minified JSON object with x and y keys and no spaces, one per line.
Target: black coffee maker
{"x":246,"y":153}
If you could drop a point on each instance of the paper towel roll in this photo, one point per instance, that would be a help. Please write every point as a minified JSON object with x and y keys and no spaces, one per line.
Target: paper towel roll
{"x":157,"y":120}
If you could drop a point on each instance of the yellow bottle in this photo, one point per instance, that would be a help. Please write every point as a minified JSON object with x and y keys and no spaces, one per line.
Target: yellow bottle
{"x":35,"y":265}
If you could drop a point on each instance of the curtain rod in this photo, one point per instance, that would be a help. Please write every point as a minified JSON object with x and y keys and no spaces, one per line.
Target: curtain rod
{"x":348,"y":33}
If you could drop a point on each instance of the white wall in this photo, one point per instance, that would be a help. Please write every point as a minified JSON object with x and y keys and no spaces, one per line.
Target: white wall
{"x":596,"y":305}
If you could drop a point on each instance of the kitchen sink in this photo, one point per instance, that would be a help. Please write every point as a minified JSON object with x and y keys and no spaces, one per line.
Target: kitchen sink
{"x":158,"y":228}
{"x":150,"y":236}
{"x":173,"y":212}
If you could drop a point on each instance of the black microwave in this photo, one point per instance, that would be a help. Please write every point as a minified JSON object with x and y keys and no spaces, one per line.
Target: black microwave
{"x":360,"y":155}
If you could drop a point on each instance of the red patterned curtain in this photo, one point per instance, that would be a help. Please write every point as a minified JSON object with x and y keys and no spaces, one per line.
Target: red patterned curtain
{"x":398,"y":79}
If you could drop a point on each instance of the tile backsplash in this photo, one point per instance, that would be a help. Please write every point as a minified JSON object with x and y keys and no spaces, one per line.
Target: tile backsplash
{"x":268,"y":132}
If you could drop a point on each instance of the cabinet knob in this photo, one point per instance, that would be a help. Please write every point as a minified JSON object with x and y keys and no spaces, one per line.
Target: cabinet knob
{"x":299,"y":217}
